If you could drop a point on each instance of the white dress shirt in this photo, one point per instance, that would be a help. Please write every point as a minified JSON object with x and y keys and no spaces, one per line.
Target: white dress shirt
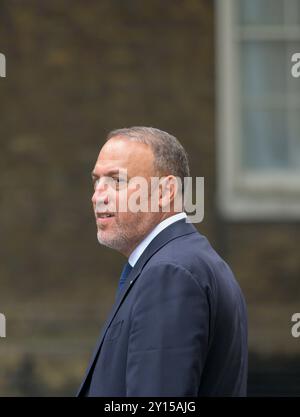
{"x":137,"y":252}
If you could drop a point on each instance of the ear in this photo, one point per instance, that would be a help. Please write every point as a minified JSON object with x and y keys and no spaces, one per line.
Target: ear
{"x":168,"y":189}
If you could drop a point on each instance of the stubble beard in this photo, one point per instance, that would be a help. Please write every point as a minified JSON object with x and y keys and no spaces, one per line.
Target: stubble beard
{"x":123,"y":237}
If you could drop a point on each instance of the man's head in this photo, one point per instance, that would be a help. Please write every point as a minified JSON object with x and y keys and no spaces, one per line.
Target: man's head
{"x":127,"y":156}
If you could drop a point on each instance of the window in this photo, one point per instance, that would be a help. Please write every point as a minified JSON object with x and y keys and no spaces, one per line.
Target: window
{"x":258,"y":109}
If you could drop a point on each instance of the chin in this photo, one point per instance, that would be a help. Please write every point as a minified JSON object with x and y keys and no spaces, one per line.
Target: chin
{"x":110,"y":243}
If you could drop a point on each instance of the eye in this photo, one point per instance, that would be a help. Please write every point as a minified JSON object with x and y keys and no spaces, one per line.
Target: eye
{"x":119,"y":179}
{"x":119,"y":182}
{"x":115,"y":182}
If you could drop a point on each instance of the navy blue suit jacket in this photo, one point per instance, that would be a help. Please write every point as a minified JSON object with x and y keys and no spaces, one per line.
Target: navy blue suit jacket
{"x":178,"y":327}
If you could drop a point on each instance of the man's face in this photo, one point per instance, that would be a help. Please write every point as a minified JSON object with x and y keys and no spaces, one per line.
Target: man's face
{"x":123,"y":230}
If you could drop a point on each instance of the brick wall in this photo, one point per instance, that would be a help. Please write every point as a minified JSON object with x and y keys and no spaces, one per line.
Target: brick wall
{"x":76,"y":70}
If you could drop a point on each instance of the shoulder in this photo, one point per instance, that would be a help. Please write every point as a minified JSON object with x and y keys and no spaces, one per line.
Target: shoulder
{"x":191,"y":254}
{"x":163,"y":270}
{"x":191,"y":257}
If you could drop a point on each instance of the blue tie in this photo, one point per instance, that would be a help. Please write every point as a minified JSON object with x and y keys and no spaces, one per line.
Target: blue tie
{"x":126,"y":271}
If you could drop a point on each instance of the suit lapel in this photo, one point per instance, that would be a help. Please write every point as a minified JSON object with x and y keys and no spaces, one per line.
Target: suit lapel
{"x":175,"y":230}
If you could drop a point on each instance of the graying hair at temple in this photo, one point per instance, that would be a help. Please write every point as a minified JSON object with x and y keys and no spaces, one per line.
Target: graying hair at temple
{"x":169,"y":155}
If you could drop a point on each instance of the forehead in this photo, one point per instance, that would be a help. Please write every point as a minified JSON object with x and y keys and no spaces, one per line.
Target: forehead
{"x":120,"y":153}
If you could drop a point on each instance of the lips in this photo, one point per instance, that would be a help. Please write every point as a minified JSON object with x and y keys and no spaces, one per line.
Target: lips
{"x":104,"y":217}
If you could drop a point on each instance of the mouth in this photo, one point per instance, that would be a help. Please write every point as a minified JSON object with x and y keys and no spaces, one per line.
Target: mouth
{"x":104,"y":217}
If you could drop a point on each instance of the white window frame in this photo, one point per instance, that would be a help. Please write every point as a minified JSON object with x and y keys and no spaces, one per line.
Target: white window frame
{"x":244,"y":195}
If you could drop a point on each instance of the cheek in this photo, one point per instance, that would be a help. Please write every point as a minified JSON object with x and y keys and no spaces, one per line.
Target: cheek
{"x":129,"y":221}
{"x":125,"y":217}
{"x":121,"y":201}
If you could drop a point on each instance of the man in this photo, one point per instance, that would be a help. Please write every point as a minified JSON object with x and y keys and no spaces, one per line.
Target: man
{"x":178,"y":326}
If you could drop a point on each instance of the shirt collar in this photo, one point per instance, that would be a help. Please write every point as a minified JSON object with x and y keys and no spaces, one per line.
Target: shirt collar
{"x":137,"y":252}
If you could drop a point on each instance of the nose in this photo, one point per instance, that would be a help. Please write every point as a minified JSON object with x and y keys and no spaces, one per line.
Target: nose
{"x":100,"y":195}
{"x":96,"y":199}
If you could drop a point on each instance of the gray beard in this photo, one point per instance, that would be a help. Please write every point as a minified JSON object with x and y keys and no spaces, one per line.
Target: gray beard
{"x":117,"y":243}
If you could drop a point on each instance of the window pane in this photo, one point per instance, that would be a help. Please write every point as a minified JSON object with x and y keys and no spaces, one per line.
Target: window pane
{"x":263,"y":68}
{"x":265,"y":141}
{"x":292,"y":12}
{"x":269,"y":12}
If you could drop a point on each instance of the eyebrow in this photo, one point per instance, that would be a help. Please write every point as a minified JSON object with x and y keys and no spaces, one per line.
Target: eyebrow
{"x":110,"y":172}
